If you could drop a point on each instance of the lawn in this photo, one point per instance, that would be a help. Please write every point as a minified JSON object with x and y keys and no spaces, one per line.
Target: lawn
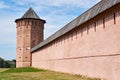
{"x":3,"y":69}
{"x":37,"y":74}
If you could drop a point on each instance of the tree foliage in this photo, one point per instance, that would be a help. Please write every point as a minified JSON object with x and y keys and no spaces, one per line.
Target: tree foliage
{"x":7,"y":63}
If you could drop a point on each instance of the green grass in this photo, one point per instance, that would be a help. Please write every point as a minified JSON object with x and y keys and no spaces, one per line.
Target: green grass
{"x":3,"y":69}
{"x":26,"y":69}
{"x":38,"y":74}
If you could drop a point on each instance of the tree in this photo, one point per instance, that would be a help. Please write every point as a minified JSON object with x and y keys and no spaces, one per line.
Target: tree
{"x":13,"y":63}
{"x":7,"y":63}
{"x":1,"y":62}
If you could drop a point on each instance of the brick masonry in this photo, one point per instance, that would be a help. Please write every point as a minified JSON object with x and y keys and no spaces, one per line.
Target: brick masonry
{"x":29,"y":34}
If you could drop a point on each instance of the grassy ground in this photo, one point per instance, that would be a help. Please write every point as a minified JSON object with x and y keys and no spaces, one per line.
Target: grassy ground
{"x":3,"y":69}
{"x":37,"y":74}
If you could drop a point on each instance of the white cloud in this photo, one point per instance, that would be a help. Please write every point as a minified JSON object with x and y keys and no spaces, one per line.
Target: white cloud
{"x":2,"y":5}
{"x":73,"y":3}
{"x":7,"y":31}
{"x":57,"y":3}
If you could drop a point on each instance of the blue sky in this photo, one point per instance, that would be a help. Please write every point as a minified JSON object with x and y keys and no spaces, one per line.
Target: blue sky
{"x":57,"y":14}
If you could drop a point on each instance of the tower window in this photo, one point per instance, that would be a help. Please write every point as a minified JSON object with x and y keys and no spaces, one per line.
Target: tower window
{"x":32,"y":22}
{"x":35,"y":23}
{"x":26,"y":57}
{"x":19,"y":48}
{"x":27,"y":48}
{"x":33,"y":42}
{"x":20,"y":57}
{"x":26,"y":35}
{"x":34,"y":27}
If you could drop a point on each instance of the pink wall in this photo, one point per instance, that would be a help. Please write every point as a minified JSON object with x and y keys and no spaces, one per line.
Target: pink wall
{"x":93,"y":50}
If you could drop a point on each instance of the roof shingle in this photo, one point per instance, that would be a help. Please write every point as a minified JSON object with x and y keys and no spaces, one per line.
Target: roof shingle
{"x":30,"y":14}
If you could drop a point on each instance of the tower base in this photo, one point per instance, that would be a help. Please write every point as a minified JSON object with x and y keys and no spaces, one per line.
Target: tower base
{"x":22,"y":64}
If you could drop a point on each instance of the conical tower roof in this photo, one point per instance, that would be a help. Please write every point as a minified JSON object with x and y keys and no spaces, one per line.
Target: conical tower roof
{"x":30,"y":14}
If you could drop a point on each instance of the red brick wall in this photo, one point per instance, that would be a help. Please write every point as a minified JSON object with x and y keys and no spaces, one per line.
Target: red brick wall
{"x":92,"y":49}
{"x":29,"y":34}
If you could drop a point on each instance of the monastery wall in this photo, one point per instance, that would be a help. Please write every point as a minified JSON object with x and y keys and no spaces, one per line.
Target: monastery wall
{"x":91,"y":49}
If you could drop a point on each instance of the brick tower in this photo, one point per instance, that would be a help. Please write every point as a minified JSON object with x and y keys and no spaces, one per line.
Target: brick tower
{"x":30,"y":32}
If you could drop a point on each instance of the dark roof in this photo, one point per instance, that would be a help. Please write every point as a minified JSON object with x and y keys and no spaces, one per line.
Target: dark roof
{"x":30,"y":14}
{"x":91,"y":13}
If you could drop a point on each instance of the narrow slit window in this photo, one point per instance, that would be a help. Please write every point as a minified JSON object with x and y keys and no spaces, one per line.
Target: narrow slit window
{"x":87,"y":30}
{"x":114,"y":18}
{"x":68,"y":37}
{"x":76,"y":34}
{"x":71,"y":36}
{"x":81,"y":32}
{"x":104,"y":23}
{"x":95,"y":27}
